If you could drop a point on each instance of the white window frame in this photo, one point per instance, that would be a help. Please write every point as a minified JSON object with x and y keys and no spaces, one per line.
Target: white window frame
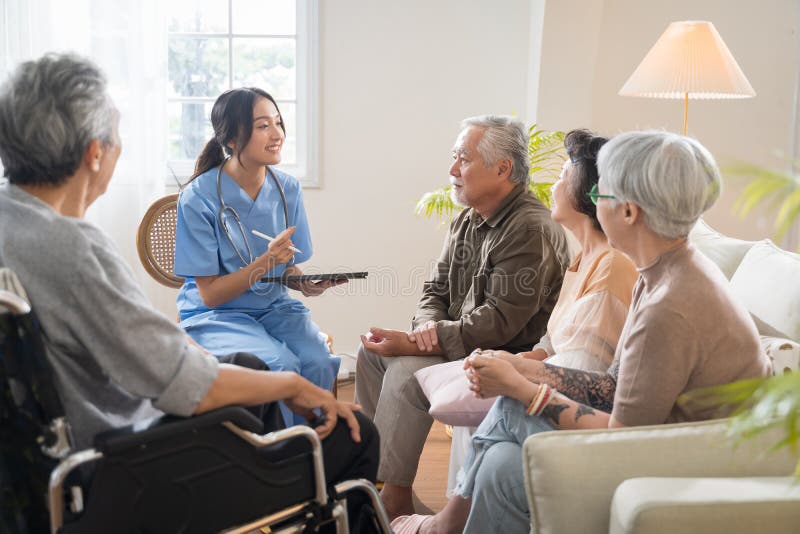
{"x":306,"y":166}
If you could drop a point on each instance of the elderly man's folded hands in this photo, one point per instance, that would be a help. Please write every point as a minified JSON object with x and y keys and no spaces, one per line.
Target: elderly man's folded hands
{"x":386,"y":342}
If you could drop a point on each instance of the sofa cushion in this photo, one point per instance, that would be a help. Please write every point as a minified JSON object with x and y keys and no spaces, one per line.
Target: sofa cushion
{"x":768,"y":284}
{"x":656,"y":505}
{"x":726,"y":252}
{"x":447,"y":389}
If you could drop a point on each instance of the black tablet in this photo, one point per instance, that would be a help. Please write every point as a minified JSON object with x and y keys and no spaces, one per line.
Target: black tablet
{"x":315,"y":277}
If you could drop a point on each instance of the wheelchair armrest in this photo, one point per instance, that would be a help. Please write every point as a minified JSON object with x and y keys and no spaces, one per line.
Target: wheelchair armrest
{"x":166,"y":426}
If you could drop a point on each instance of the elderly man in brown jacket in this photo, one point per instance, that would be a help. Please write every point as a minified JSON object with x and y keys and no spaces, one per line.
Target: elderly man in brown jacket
{"x":494,"y":286}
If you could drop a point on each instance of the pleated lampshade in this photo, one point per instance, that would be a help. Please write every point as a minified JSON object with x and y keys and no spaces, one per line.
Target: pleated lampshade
{"x":689,"y":61}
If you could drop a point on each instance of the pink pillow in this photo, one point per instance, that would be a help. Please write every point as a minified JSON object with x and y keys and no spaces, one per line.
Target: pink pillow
{"x":447,"y":389}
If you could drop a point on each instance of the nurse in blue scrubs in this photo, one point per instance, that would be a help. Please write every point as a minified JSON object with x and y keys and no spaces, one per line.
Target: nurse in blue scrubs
{"x":235,"y":189}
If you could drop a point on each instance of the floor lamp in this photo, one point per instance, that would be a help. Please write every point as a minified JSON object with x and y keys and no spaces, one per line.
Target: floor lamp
{"x":689,"y":60}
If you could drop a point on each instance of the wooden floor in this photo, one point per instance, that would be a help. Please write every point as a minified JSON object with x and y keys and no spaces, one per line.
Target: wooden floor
{"x":431,"y":482}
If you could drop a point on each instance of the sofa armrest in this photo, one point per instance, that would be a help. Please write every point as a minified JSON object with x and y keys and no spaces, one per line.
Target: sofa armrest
{"x":653,"y":505}
{"x":571,"y":476}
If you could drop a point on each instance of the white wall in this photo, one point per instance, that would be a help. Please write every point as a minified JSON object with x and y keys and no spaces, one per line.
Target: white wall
{"x":587,"y":58}
{"x":396,"y":79}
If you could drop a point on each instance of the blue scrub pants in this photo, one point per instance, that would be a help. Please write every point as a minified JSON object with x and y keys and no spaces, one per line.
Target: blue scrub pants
{"x":283,"y":336}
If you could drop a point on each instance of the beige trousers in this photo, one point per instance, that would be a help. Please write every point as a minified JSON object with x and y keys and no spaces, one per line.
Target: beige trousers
{"x":391,"y":396}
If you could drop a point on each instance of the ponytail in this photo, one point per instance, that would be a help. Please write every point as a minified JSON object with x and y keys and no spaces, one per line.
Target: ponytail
{"x":211,"y":156}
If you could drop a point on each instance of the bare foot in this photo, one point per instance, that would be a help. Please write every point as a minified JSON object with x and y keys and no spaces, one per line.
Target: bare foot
{"x":429,"y":526}
{"x":413,"y":524}
{"x":451,"y":520}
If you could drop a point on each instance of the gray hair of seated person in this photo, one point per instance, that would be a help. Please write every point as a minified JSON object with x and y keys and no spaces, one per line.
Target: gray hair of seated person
{"x":503,"y":138}
{"x":51,"y":109}
{"x":672,"y":178}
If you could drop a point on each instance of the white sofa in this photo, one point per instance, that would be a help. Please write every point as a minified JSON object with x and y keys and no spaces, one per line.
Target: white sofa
{"x":685,"y":478}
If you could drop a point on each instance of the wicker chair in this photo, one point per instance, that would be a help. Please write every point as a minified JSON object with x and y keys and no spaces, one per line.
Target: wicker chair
{"x":155,"y":242}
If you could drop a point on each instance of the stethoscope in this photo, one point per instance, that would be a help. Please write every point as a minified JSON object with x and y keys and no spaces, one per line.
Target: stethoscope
{"x":223,"y":208}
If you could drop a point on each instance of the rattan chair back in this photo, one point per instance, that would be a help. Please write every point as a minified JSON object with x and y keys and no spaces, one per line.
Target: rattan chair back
{"x":155,"y":241}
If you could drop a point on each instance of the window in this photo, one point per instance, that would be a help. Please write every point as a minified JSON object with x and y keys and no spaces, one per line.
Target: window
{"x":215,"y":45}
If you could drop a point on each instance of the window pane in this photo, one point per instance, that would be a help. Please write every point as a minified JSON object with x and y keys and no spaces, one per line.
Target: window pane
{"x":271,"y":17}
{"x":289,"y":116}
{"x":201,"y":16}
{"x":266,"y":63}
{"x":198,"y":67}
{"x":189,"y":129}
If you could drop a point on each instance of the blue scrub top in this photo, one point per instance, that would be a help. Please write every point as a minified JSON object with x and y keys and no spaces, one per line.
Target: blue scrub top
{"x":201,"y":248}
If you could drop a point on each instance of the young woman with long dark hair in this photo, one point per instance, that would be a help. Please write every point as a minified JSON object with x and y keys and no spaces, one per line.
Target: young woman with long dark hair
{"x":234,"y":191}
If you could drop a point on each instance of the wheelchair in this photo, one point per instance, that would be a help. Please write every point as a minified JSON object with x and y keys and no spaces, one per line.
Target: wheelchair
{"x":215,"y":472}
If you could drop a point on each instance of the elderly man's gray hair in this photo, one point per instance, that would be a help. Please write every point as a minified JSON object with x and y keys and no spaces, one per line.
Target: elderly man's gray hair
{"x":503,"y":138}
{"x":51,"y":109}
{"x":673,"y":178}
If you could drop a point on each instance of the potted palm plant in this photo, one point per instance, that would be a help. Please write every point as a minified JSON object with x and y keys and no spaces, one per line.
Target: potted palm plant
{"x":546,"y":154}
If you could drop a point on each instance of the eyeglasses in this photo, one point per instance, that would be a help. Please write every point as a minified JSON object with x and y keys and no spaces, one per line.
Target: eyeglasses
{"x":593,"y":195}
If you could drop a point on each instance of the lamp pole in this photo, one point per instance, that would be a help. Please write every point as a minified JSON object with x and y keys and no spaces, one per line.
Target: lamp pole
{"x":685,"y":111}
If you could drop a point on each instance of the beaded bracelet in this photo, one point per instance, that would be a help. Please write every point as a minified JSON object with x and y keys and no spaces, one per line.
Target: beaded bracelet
{"x":544,"y":396}
{"x":540,"y":400}
{"x":535,"y":400}
{"x":545,"y":400}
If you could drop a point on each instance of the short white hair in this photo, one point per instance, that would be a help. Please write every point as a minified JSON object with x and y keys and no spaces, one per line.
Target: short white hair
{"x":672,"y":178}
{"x":503,"y":138}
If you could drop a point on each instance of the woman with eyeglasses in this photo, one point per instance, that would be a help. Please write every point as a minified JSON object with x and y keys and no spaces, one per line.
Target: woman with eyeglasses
{"x":234,"y":192}
{"x":684,"y":330}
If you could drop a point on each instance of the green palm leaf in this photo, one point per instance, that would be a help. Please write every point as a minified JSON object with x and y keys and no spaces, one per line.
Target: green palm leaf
{"x":437,"y":202}
{"x":758,"y":405}
{"x":788,"y":213}
{"x":771,"y":187}
{"x":755,"y":192}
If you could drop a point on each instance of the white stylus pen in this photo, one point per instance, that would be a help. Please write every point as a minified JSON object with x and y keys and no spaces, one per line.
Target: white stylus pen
{"x":268,"y":238}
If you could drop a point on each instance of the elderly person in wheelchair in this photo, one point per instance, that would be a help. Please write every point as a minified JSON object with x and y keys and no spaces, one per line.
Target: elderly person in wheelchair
{"x":114,"y":360}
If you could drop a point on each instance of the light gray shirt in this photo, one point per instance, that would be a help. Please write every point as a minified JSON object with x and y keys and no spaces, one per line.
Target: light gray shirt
{"x":116,"y":360}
